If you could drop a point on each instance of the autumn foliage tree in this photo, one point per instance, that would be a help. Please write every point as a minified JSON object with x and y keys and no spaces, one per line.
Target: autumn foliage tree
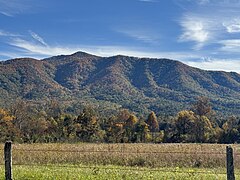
{"x":129,"y":128}
{"x":203,"y":130}
{"x":184,"y":126}
{"x":8,"y":131}
{"x":152,"y":124}
{"x":87,"y":126}
{"x":193,"y":128}
{"x":25,"y":122}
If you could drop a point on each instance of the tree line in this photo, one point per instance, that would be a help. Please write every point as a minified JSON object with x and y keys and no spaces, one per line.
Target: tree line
{"x":199,"y":124}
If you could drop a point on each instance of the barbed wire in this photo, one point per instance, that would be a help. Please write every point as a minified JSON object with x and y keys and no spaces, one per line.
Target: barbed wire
{"x":125,"y":152}
{"x":122,"y":150}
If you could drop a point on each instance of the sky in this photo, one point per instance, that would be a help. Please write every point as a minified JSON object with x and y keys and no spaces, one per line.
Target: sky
{"x":200,"y":33}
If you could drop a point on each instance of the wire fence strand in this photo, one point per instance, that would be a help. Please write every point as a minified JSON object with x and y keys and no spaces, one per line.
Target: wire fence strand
{"x":123,"y":168}
{"x":123,"y":152}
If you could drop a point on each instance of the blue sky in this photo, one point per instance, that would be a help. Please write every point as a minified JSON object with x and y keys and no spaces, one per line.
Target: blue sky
{"x":200,"y":33}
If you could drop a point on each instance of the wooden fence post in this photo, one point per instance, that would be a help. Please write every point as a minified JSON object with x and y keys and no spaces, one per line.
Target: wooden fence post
{"x":230,"y":165}
{"x":8,"y":160}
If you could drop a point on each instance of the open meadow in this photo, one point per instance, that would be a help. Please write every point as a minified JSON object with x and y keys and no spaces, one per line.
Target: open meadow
{"x":120,"y":161}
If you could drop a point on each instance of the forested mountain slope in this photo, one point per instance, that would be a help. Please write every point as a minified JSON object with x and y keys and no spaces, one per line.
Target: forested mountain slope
{"x":139,"y":84}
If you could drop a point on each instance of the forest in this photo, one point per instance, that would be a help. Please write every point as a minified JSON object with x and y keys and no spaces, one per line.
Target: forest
{"x":24,"y":123}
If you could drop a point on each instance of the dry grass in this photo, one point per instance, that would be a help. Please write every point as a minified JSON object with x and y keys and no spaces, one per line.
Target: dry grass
{"x":150,"y":155}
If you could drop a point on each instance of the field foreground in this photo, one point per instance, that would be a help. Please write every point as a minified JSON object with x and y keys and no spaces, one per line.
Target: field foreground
{"x":120,"y":161}
{"x":51,"y":172}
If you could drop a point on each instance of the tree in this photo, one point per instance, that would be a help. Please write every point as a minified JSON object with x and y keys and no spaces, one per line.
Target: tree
{"x":8,"y":131}
{"x":193,"y":128}
{"x":202,"y":107}
{"x":20,"y":111}
{"x":203,"y":130}
{"x":34,"y":130}
{"x":69,"y":127}
{"x":129,"y":127}
{"x":152,"y":124}
{"x":142,"y":131}
{"x":230,"y":131}
{"x":118,"y":131}
{"x":54,"y":109}
{"x":123,"y":116}
{"x":184,"y":124}
{"x":87,"y":126}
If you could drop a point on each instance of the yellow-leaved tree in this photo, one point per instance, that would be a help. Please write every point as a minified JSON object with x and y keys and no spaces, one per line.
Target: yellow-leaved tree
{"x":8,"y":131}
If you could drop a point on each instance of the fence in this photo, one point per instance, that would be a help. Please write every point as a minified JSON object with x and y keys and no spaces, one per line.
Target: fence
{"x":77,"y":156}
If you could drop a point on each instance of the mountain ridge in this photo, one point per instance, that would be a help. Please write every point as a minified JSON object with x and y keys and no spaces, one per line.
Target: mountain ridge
{"x":139,"y":84}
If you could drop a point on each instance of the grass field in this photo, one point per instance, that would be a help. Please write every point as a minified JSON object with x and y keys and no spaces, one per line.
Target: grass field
{"x":120,"y":161}
{"x":112,"y":172}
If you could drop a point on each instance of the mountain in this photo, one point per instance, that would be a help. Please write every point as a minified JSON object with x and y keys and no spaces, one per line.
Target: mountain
{"x":139,"y":84}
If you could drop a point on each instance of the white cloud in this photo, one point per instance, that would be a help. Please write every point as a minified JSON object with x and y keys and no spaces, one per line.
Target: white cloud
{"x":217,"y":64}
{"x":8,"y":55}
{"x":196,"y":29}
{"x":232,"y":26}
{"x":230,"y":45}
{"x":40,"y":51}
{"x":37,"y":38}
{"x":215,"y":24}
{"x":205,"y":22}
{"x":219,"y":3}
{"x":27,"y":48}
{"x":141,"y":34}
{"x":8,"y":34}
{"x":35,"y":49}
{"x":5,"y":13}
{"x":13,"y":7}
{"x":129,"y":51}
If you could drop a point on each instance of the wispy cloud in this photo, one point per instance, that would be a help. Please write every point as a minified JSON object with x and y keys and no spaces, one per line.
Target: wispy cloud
{"x":28,"y":48}
{"x":219,"y":3}
{"x":13,"y":7}
{"x":232,"y":26}
{"x":148,"y":0}
{"x":196,"y":29}
{"x":230,"y":45}
{"x":25,"y":47}
{"x":6,"y":13}
{"x":144,"y":35}
{"x":37,"y":38}
{"x":40,"y":51}
{"x":7,"y":34}
{"x":211,"y":23}
{"x":217,"y":64}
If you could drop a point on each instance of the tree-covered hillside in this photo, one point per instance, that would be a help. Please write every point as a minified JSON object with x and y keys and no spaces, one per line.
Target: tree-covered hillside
{"x":111,"y":83}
